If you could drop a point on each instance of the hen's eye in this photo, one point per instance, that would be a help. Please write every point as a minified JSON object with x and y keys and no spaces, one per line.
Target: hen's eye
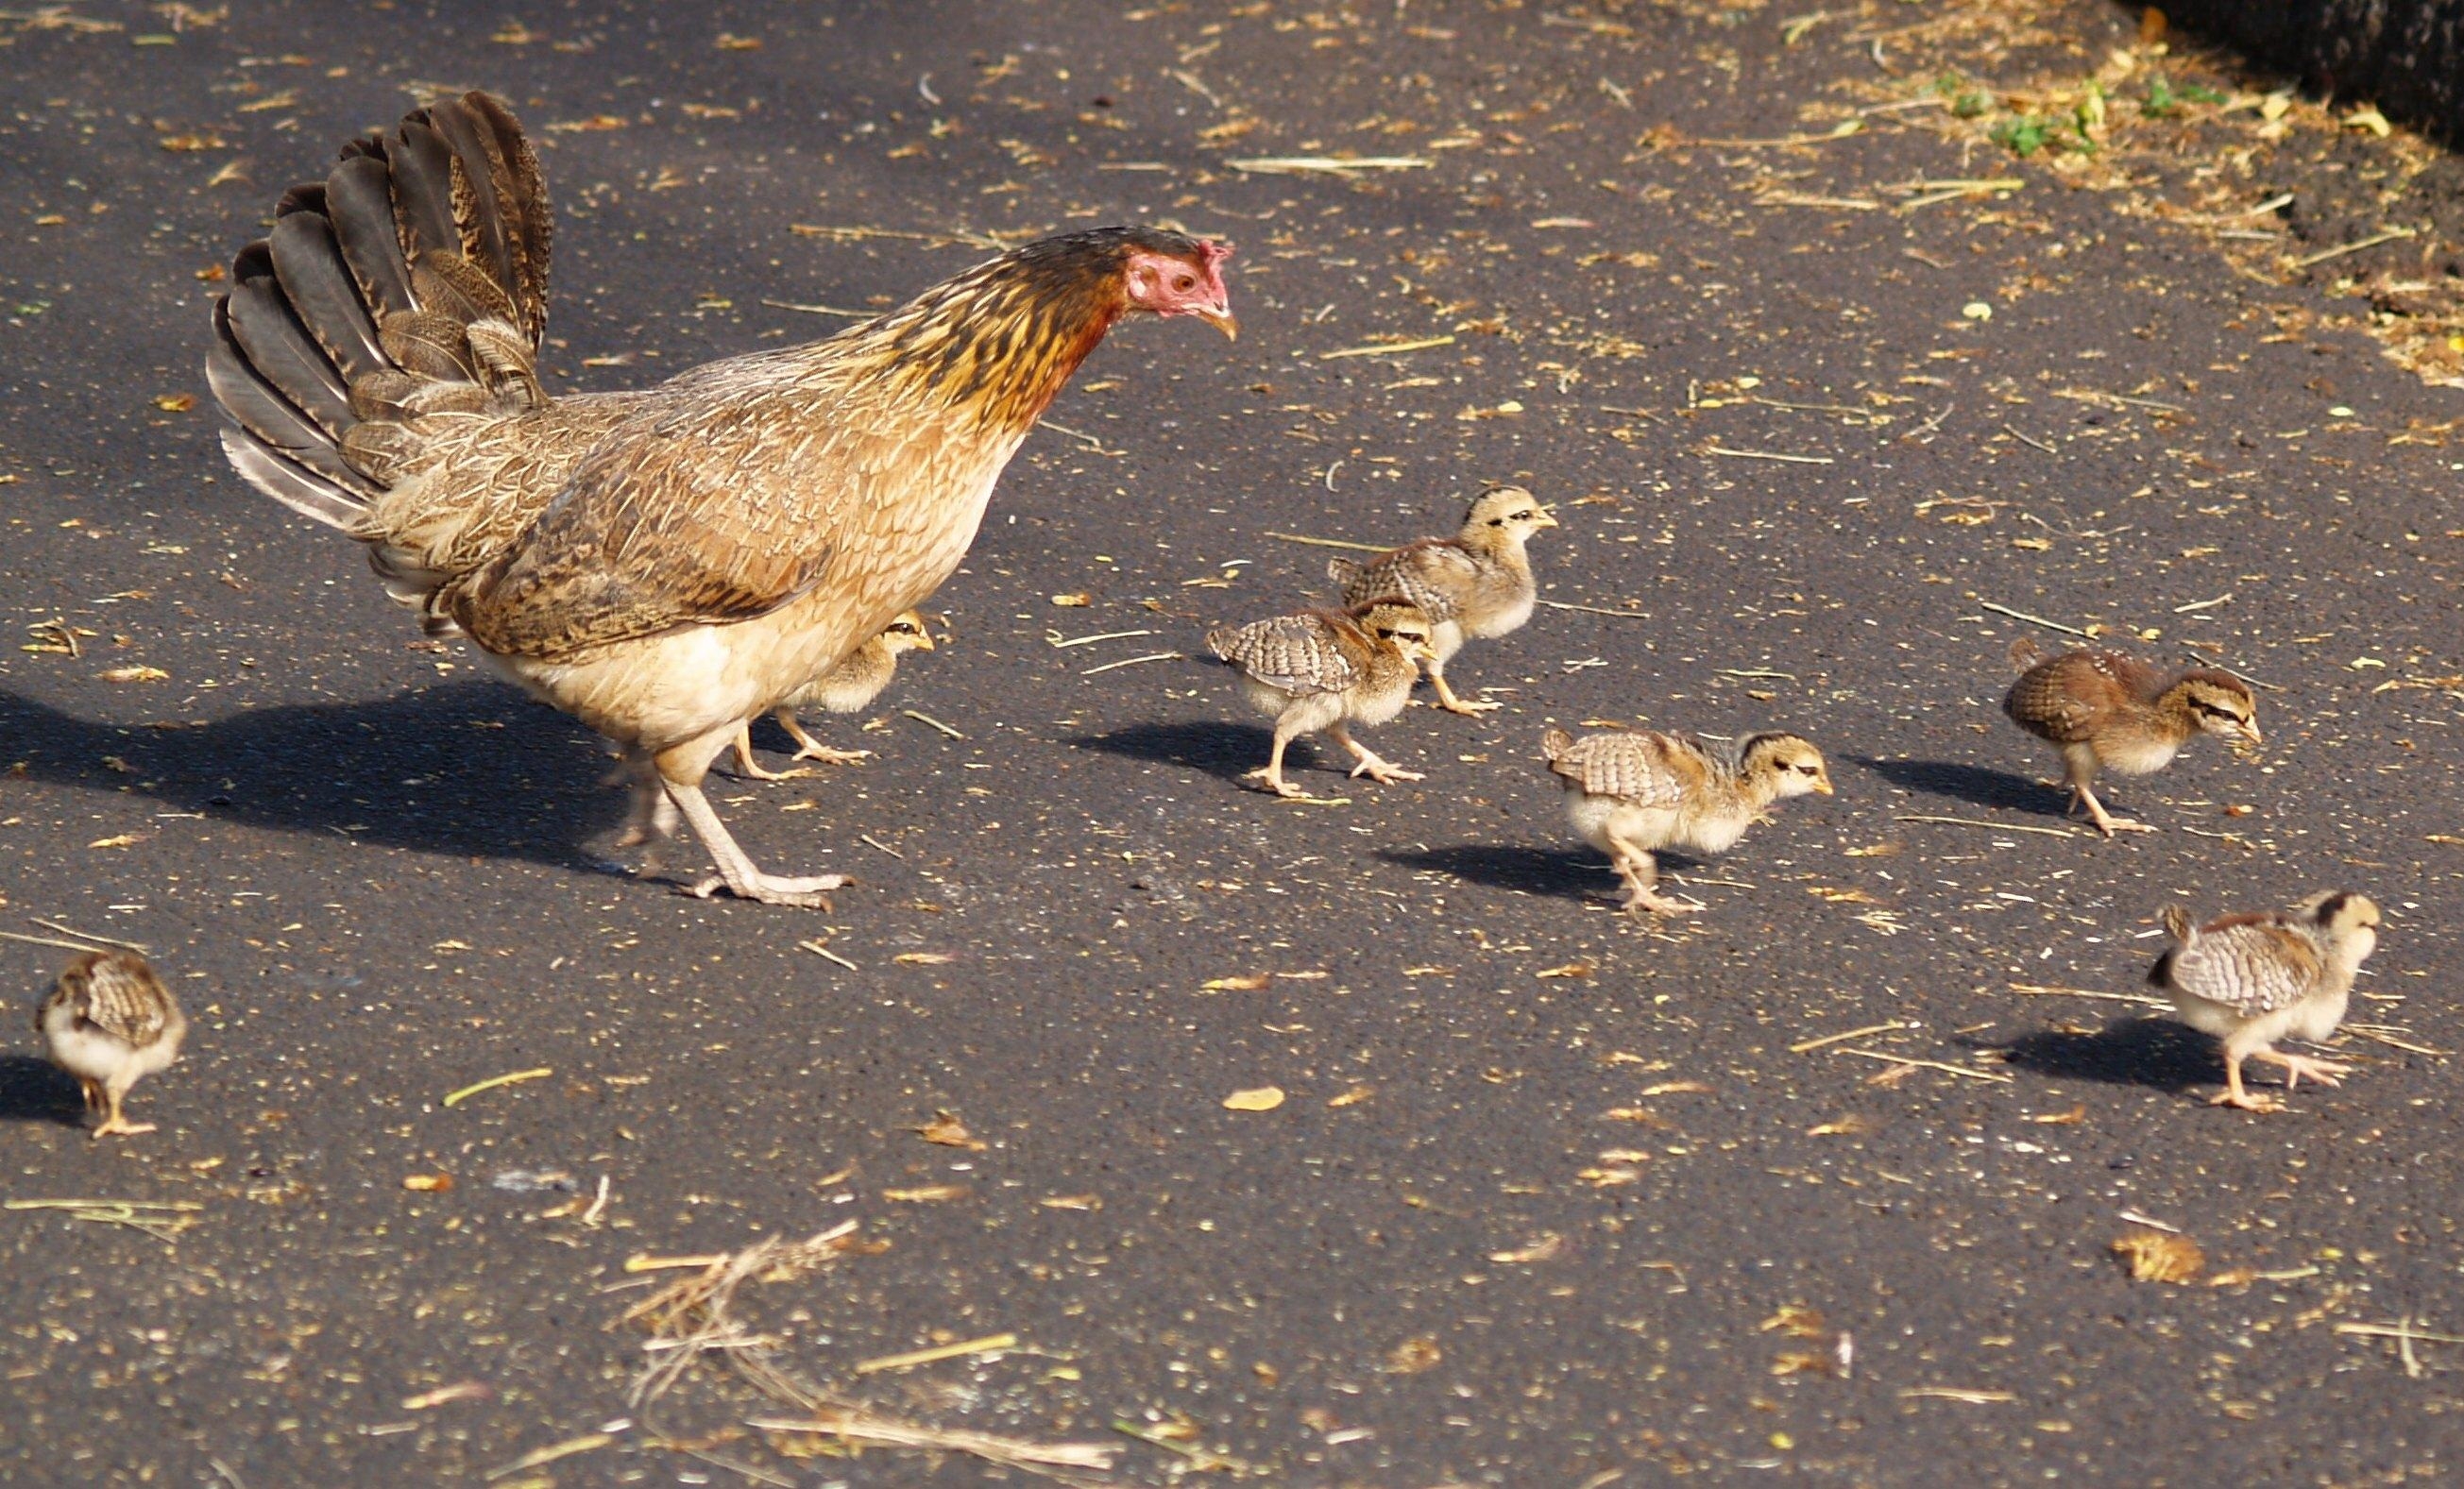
{"x":1184,"y":284}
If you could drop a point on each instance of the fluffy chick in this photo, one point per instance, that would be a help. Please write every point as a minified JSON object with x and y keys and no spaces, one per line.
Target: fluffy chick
{"x":1476,"y":584}
{"x":1630,"y":794}
{"x":111,"y":1023}
{"x":2253,"y":979}
{"x":2101,"y":709}
{"x":1320,"y":669}
{"x":849,"y":687}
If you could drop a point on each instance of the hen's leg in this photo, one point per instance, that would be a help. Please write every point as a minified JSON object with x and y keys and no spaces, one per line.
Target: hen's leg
{"x":681,"y":770}
{"x":115,"y":1125}
{"x":808,"y":748}
{"x":1371,"y":765}
{"x":653,"y":817}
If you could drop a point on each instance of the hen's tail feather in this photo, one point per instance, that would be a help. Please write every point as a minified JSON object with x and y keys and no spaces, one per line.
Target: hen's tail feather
{"x":411,"y":281}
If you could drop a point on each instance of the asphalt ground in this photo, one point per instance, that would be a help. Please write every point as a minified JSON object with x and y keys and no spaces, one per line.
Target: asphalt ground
{"x":1553,"y":1197}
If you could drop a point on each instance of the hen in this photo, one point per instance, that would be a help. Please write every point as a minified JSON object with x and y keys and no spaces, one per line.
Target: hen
{"x":664,"y":564}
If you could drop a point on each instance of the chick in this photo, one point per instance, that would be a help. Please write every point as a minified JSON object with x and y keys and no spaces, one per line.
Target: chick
{"x":110,"y":1023}
{"x":1321,"y":670}
{"x":2103,"y":709}
{"x":1632,"y":793}
{"x":849,"y":687}
{"x":1475,"y":584}
{"x":2253,"y":979}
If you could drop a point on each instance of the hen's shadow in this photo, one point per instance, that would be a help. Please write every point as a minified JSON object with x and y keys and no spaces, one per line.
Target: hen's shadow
{"x":1561,"y":874}
{"x":1229,"y":751}
{"x":473,"y":770}
{"x":1977,"y":785}
{"x":2150,"y":1052}
{"x":37,"y":1090}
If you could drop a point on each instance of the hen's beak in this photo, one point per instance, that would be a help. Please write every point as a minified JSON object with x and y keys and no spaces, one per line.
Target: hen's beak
{"x":1222,"y":321}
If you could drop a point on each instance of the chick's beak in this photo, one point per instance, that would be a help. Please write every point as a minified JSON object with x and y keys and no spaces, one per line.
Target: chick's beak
{"x":1822,"y":786}
{"x":2250,"y":731}
{"x":923,"y":641}
{"x":1547,"y":518}
{"x":1221,"y":317}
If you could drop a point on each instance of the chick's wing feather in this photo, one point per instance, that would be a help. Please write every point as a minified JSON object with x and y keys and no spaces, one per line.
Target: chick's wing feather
{"x":1301,"y":654}
{"x":1639,"y":769}
{"x":1432,"y":574}
{"x":2252,"y":968}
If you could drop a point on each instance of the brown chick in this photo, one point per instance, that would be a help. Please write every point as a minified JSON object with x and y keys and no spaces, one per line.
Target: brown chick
{"x":1322,"y":671}
{"x":2253,"y":979}
{"x":1630,"y":794}
{"x":110,"y":1022}
{"x":2101,"y":709}
{"x":664,"y":564}
{"x":849,"y":687}
{"x":1476,"y":584}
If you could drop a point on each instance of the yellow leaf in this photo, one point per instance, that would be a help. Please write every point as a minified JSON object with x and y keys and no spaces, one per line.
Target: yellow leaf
{"x":122,"y":841}
{"x":134,"y":675}
{"x":1544,"y":1249}
{"x":1413,"y":1356}
{"x":1251,"y":983}
{"x":926,"y":1194}
{"x":1076,"y":602}
{"x":924,"y":959}
{"x":1354,"y":1097}
{"x":946,"y":1129}
{"x":1569,"y":970}
{"x":1262,"y":1098}
{"x":427,"y":1183}
{"x":1071,"y":1202}
{"x":2155,"y":1257}
{"x":1677,"y":1088}
{"x":176,"y":403}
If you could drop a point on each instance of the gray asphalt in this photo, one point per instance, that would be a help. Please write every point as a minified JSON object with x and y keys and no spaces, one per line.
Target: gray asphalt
{"x":1551,"y":1198}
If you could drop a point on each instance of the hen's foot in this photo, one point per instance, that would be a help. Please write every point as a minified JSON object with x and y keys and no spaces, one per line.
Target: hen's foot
{"x":809,"y":891}
{"x":829,"y":756}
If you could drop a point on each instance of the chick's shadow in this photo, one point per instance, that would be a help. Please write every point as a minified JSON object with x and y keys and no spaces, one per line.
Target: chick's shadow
{"x":2153,"y":1052}
{"x":1558,"y":874}
{"x":1977,"y":785}
{"x":37,"y":1090}
{"x":1227,"y":751}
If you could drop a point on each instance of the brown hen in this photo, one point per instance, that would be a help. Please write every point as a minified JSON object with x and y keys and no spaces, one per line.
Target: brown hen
{"x":664,"y":564}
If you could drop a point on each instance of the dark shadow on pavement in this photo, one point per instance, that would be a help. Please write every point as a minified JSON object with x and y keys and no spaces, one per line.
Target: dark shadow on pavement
{"x":1977,"y":785}
{"x":1565,"y":873}
{"x":1230,"y":751}
{"x":37,"y":1090}
{"x":2151,"y":1052}
{"x":497,"y":776}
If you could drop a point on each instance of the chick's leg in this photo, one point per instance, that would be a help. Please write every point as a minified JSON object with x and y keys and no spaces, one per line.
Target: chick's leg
{"x":1640,"y":871}
{"x":2326,"y":1072}
{"x":1271,"y":774}
{"x":808,"y":748}
{"x":681,"y":770}
{"x":1372,"y":765}
{"x":1452,"y":702}
{"x":2233,"y":1095}
{"x":115,"y":1125}
{"x":745,"y":764}
{"x":2078,"y":762}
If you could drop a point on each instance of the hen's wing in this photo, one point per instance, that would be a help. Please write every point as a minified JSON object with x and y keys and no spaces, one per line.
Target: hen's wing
{"x":2253,"y":967}
{"x":719,"y":506}
{"x":1301,"y":654}
{"x":1431,"y":574}
{"x":1641,"y":769}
